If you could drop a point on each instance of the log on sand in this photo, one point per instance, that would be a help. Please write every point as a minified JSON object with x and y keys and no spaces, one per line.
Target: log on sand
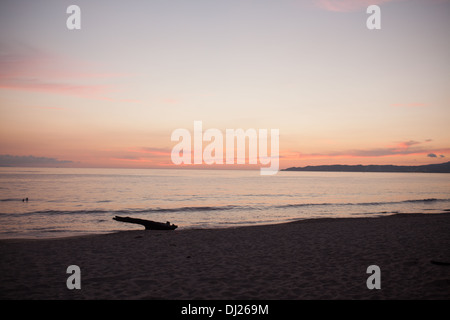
{"x":148,"y":224}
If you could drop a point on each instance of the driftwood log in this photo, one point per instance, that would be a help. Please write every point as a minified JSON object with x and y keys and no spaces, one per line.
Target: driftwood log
{"x":148,"y":224}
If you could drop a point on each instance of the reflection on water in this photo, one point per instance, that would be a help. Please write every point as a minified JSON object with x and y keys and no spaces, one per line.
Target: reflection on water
{"x":73,"y":201}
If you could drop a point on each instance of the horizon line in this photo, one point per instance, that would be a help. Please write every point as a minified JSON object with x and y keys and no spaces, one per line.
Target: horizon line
{"x":205,"y":167}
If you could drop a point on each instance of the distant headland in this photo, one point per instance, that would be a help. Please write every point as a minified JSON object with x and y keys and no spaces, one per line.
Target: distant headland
{"x":430,"y":168}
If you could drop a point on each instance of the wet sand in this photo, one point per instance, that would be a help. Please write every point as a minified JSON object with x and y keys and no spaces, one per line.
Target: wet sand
{"x":310,"y":259}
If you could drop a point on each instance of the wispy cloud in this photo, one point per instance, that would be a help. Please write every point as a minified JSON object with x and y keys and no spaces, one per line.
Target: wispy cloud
{"x":143,"y":156}
{"x":409,"y":105}
{"x":155,"y":151}
{"x":406,"y":144}
{"x":35,"y":85}
{"x":348,"y":5}
{"x":40,"y":107}
{"x":32,"y":161}
{"x":35,"y":71}
{"x":170,"y":101}
{"x":355,"y":5}
{"x":403,"y":148}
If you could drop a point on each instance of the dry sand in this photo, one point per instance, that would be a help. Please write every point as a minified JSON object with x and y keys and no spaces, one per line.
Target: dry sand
{"x":313,"y":259}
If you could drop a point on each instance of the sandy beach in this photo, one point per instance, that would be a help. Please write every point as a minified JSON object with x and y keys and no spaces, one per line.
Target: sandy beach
{"x":310,"y":259}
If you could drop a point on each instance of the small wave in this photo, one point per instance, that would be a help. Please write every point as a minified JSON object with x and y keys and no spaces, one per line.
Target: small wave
{"x":205,"y":208}
{"x":362,"y":203}
{"x":11,"y":199}
{"x":211,"y":208}
{"x":123,"y":211}
{"x":428,"y":200}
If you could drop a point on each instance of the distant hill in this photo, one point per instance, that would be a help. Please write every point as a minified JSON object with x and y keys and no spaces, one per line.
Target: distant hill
{"x":431,"y":168}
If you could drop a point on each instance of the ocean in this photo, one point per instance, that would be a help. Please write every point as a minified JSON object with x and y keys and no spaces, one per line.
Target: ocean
{"x":78,"y":201}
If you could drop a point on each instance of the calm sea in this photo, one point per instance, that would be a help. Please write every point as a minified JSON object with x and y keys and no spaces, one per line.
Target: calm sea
{"x":67,"y":202}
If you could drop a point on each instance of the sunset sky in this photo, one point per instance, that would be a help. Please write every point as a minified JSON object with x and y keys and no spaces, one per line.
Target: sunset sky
{"x":111,"y":94}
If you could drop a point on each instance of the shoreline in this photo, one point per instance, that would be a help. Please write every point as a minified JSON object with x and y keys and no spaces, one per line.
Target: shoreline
{"x":182,"y":229}
{"x":323,"y":258}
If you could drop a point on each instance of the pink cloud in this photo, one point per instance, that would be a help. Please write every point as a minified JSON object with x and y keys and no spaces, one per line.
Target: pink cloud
{"x":348,"y":5}
{"x":148,"y":156}
{"x":59,"y":88}
{"x":29,"y":62}
{"x":170,"y":101}
{"x":153,"y":151}
{"x":46,"y":108}
{"x":405,"y":145}
{"x":28,"y":69}
{"x":131,"y":100}
{"x":400,"y":149}
{"x":409,"y":105}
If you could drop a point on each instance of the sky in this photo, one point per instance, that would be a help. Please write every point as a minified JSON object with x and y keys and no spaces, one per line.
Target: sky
{"x":111,"y":93}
